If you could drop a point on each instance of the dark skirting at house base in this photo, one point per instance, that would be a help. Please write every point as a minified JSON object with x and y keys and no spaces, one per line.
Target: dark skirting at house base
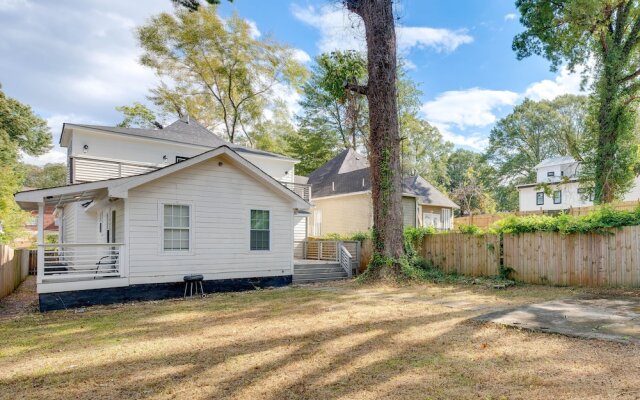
{"x":151,"y":291}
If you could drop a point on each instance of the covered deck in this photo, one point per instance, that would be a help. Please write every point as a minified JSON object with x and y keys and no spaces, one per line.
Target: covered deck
{"x":86,"y":262}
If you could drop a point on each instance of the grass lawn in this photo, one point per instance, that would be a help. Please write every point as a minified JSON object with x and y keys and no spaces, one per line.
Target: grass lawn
{"x":339,"y":341}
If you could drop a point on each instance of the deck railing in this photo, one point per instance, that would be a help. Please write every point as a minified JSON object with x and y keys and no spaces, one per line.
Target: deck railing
{"x":346,"y":260}
{"x":331,"y":250}
{"x":79,"y":261}
{"x":301,"y":189}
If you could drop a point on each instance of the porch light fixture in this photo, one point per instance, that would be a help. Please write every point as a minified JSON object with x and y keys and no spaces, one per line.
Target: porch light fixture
{"x":165,"y":158}
{"x":220,"y":164}
{"x":85,"y":148}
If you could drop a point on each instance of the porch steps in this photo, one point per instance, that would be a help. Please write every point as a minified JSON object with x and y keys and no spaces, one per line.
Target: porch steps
{"x":317,"y":272}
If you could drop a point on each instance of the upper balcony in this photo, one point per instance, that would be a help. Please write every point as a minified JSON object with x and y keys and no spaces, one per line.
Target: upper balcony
{"x":301,"y":189}
{"x":87,"y":169}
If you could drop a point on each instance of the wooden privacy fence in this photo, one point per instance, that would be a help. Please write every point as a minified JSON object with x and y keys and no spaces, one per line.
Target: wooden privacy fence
{"x":473,"y":255}
{"x":595,"y":260}
{"x":14,"y":267}
{"x":590,"y":259}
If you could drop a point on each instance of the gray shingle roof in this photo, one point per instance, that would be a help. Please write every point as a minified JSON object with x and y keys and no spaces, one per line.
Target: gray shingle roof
{"x":186,"y":131}
{"x":348,"y":172}
{"x":426,"y":192}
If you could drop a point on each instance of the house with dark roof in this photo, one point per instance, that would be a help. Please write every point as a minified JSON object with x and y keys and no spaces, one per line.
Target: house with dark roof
{"x":146,"y":208}
{"x":341,"y":193}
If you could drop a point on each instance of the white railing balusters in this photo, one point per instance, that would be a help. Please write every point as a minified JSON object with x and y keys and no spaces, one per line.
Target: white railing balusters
{"x":80,"y":261}
{"x":344,"y":258}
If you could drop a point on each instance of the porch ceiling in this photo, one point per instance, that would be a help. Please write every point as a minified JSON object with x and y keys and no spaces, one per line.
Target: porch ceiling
{"x":62,"y":199}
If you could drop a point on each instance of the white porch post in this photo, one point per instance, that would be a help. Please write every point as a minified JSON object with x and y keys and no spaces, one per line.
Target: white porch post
{"x":40,"y":242}
{"x":124,"y":254}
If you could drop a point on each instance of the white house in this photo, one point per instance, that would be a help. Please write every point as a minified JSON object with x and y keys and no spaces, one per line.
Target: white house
{"x":145,"y":207}
{"x":560,"y":174}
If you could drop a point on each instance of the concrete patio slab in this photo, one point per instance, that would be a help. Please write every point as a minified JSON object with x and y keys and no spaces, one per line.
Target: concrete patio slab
{"x":612,"y":319}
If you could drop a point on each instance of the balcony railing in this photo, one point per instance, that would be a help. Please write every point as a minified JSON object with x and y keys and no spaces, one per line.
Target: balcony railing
{"x":79,"y":261}
{"x":301,"y":189}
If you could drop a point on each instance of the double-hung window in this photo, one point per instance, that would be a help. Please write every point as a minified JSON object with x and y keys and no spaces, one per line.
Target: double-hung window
{"x":176,"y":227}
{"x":540,"y":198}
{"x":557,"y":197}
{"x":260,"y":230}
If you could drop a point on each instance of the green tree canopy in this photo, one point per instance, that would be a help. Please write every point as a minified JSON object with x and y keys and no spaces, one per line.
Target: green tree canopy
{"x":607,"y":34}
{"x":20,"y":130}
{"x":534,"y":131}
{"x":49,"y":175}
{"x":220,"y":72}
{"x":138,"y":115}
{"x":328,"y":107}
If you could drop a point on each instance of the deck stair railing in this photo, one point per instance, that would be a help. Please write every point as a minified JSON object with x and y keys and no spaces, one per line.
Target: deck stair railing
{"x":345,"y":259}
{"x":331,"y":250}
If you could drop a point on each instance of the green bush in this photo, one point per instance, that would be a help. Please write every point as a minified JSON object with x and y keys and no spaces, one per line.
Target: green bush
{"x":413,"y":238}
{"x":601,"y":220}
{"x":361,"y":236}
{"x":470,"y":229}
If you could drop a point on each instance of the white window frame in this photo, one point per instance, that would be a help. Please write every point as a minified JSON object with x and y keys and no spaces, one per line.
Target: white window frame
{"x":554,"y":196}
{"x":539,"y":203}
{"x":161,"y":205}
{"x":270,"y":230}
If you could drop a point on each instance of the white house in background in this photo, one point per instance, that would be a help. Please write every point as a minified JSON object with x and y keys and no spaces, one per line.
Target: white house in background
{"x":560,"y":174}
{"x":145,"y":207}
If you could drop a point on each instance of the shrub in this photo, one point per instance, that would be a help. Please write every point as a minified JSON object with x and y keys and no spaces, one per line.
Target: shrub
{"x":601,"y":220}
{"x":361,"y":236}
{"x":470,"y":229}
{"x":413,"y":238}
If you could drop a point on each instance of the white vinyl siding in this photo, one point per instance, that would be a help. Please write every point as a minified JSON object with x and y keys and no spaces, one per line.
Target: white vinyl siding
{"x":87,"y":170}
{"x":299,"y":235}
{"x":221,"y":198}
{"x":79,"y":226}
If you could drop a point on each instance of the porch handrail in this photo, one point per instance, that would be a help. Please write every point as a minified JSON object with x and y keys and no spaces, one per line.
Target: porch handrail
{"x":344,"y":257}
{"x":79,"y":261}
{"x":79,"y":244}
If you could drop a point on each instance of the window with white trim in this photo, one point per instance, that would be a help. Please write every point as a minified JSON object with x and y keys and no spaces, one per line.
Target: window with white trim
{"x":557,"y":197}
{"x":260,"y":230}
{"x":176,"y":227}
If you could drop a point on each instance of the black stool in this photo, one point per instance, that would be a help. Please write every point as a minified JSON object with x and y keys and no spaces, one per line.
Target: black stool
{"x":190,"y":281}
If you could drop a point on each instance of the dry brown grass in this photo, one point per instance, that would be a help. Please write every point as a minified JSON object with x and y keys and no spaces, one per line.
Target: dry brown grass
{"x":330,"y":342}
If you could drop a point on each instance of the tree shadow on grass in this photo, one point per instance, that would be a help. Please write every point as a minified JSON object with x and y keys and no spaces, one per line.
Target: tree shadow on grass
{"x":295,"y":353}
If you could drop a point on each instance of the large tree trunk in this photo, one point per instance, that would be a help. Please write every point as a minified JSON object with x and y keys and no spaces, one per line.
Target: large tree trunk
{"x":384,"y":156}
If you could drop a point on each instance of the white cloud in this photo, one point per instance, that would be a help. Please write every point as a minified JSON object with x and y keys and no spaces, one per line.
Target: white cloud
{"x":342,"y":30}
{"x":289,"y":95}
{"x":454,"y":113}
{"x":442,"y":40}
{"x":75,"y":61}
{"x":253,"y":29}
{"x":564,"y":83}
{"x":474,"y":140}
{"x":339,"y":28}
{"x":510,"y":17}
{"x":6,"y":5}
{"x":301,"y":56}
{"x":75,"y":57}
{"x":468,"y":108}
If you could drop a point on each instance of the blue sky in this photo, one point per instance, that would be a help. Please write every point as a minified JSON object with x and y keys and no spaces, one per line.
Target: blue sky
{"x":74,"y":61}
